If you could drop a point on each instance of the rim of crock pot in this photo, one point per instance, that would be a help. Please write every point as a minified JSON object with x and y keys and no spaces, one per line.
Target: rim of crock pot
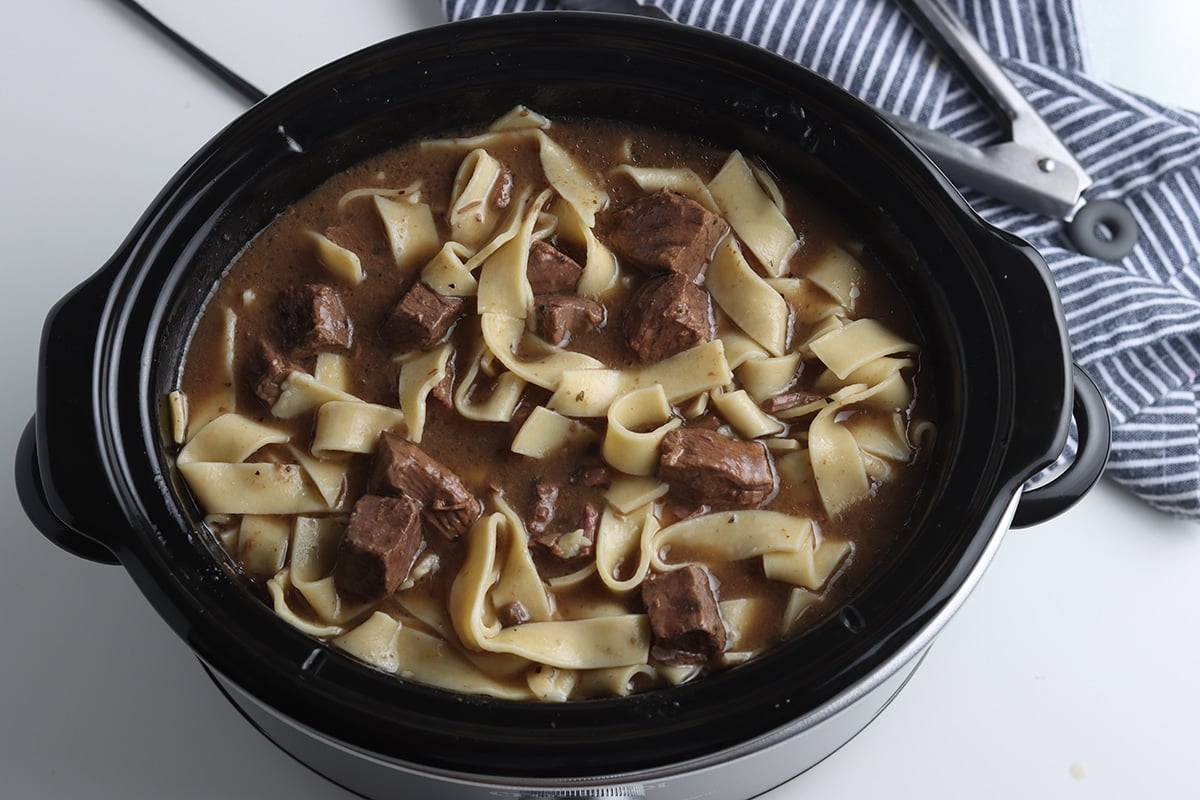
{"x":310,"y":682}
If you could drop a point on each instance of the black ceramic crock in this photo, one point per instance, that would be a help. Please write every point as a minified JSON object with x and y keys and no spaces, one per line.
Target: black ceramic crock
{"x":1005,"y":388}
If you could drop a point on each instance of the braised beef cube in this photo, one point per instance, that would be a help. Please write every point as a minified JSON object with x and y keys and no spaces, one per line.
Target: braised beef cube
{"x":550,"y":270}
{"x":514,"y":613}
{"x":268,"y":370}
{"x":313,"y":319}
{"x":564,"y":316}
{"x":667,"y":315}
{"x":788,"y":400}
{"x":401,"y":468}
{"x":379,"y":547}
{"x":545,"y":502}
{"x":421,"y":318}
{"x":443,"y":391}
{"x":667,"y":231}
{"x":706,"y":467}
{"x":684,"y":617}
{"x":595,"y":475}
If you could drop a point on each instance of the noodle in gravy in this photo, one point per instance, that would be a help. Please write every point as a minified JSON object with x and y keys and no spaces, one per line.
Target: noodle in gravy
{"x":560,"y":409}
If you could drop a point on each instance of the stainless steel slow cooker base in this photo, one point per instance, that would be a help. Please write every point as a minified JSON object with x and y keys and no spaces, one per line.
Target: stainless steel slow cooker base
{"x":736,"y":777}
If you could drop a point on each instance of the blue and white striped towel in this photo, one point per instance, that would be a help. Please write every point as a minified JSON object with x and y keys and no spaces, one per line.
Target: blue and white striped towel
{"x":1134,"y":325}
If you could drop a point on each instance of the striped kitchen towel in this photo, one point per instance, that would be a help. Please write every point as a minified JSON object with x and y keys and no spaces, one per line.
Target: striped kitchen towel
{"x":1134,"y":325}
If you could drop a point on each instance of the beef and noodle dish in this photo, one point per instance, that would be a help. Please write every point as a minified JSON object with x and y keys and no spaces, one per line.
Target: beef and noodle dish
{"x":559,"y":409}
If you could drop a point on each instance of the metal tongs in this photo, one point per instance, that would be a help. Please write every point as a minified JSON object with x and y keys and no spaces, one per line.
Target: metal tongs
{"x":1033,"y":170}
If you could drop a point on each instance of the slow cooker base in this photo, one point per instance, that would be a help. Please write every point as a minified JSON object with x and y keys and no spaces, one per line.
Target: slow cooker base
{"x":737,"y":775}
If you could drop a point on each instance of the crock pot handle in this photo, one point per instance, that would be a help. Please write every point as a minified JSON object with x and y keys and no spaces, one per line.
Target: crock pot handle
{"x":1065,"y":489}
{"x":32,"y":495}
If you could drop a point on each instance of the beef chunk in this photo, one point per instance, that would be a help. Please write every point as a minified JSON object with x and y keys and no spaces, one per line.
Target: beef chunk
{"x":595,"y":475}
{"x":379,"y":547}
{"x":574,"y":544}
{"x":550,"y":270}
{"x":514,"y":613}
{"x":401,"y":468}
{"x":684,"y":617}
{"x":667,"y":315}
{"x":667,"y":231}
{"x":787,"y":400}
{"x":703,"y":466}
{"x":564,"y":316}
{"x":313,"y":319}
{"x":268,"y":370}
{"x":545,"y":502}
{"x":421,"y":318}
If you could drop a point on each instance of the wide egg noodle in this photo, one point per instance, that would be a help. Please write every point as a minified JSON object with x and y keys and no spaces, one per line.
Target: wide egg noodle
{"x":637,"y":423}
{"x":680,"y":180}
{"x":472,"y":215}
{"x":881,"y":435}
{"x":600,"y":271}
{"x":332,"y":370}
{"x":545,"y":432}
{"x":387,"y":644}
{"x":519,"y":581}
{"x":314,"y":553}
{"x":810,"y":567}
{"x":839,"y":464}
{"x":352,"y":426}
{"x":766,"y":377}
{"x":839,"y":274}
{"x":711,"y":536}
{"x":279,"y":590}
{"x":230,"y":438}
{"x":214,"y":466}
{"x":627,"y":493}
{"x":411,"y":231}
{"x":622,"y":540}
{"x":340,"y":262}
{"x":739,"y":615}
{"x":856,"y":344}
{"x":503,"y":283}
{"x":570,"y":180}
{"x":590,"y":392}
{"x":796,"y":475}
{"x":328,"y":475}
{"x":574,"y":644}
{"x":747,"y":299}
{"x":253,"y":488}
{"x":753,"y":216}
{"x":615,"y":681}
{"x":177,"y":411}
{"x":838,"y":468}
{"x":506,"y":337}
{"x":302,"y":393}
{"x":407,"y":194}
{"x":518,"y":118}
{"x":550,"y":684}
{"x":418,"y":377}
{"x":262,"y":543}
{"x":447,"y":273}
{"x":505,"y":394}
{"x":809,"y":303}
{"x":750,"y":421}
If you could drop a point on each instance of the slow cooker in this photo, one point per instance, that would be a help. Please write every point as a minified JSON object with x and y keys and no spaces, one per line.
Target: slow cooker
{"x":1006,"y":390}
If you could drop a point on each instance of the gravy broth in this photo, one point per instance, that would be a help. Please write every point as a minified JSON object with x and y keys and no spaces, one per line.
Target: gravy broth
{"x":560,"y":409}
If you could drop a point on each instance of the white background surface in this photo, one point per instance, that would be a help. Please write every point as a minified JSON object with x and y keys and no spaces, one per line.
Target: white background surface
{"x":1070,"y":673}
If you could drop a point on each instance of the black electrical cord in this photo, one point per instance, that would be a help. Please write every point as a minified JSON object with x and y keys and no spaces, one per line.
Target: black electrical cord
{"x":237,"y":82}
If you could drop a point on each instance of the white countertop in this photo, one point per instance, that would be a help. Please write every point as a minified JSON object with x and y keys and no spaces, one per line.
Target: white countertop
{"x":1071,"y":672}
